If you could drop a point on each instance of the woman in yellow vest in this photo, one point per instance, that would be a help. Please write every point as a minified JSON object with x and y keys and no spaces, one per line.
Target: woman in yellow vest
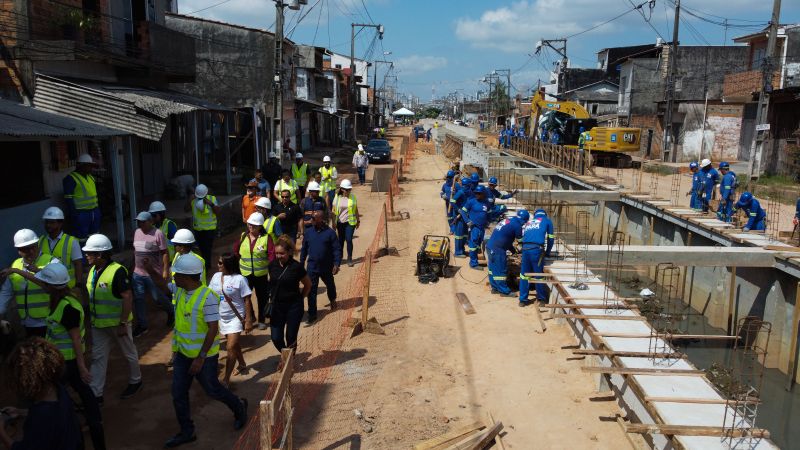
{"x":345,"y":212}
{"x":195,"y":342}
{"x":256,"y":249}
{"x":33,"y":303}
{"x":286,"y":183}
{"x":66,"y":330}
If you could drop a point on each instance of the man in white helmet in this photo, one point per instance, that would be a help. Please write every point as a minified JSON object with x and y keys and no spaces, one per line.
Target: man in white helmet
{"x":301,"y":173}
{"x":111,"y":314}
{"x":361,"y":162}
{"x":80,"y":194}
{"x":195,"y":343}
{"x":149,"y":245}
{"x":709,"y":180}
{"x":313,"y":202}
{"x":33,"y":303}
{"x":61,"y":245}
{"x":159,"y":212}
{"x":204,"y":209}
{"x":329,"y":176}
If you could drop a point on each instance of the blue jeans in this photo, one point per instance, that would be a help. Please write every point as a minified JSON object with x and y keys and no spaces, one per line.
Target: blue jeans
{"x":207,"y":377}
{"x":86,"y":222}
{"x":285,"y":323}
{"x":497,"y":270}
{"x":532,"y":262}
{"x":345,"y":232}
{"x":330,"y":284}
{"x":141,"y":285}
{"x":476,"y":234}
{"x":362,"y":175}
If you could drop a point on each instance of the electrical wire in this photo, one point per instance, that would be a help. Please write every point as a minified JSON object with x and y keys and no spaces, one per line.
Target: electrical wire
{"x":206,"y":8}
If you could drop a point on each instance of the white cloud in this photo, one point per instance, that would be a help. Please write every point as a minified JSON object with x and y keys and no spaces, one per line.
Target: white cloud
{"x":416,"y":64}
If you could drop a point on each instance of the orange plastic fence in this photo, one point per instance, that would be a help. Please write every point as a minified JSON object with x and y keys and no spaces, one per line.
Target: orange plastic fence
{"x":324,"y":340}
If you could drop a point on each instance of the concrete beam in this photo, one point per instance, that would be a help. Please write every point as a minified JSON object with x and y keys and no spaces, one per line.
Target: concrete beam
{"x":578,"y":196}
{"x":540,"y":171}
{"x":651,"y":255}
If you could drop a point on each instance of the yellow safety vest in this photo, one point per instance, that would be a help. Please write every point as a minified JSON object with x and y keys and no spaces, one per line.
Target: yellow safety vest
{"x":190,"y":325}
{"x":58,"y":335}
{"x":62,"y":251}
{"x":204,"y":219}
{"x":352,"y":217}
{"x":104,"y":307}
{"x":328,"y":183}
{"x":254,"y":263}
{"x":269,"y":227}
{"x":291,"y":186}
{"x":300,"y":174}
{"x":32,"y":300}
{"x":85,"y":194}
{"x":165,"y":229}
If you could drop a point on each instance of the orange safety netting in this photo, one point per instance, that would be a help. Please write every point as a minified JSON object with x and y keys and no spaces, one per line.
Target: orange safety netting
{"x":322,"y":342}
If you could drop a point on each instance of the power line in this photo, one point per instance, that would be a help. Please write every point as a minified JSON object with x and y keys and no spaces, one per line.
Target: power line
{"x":207,"y":7}
{"x":367,"y":11}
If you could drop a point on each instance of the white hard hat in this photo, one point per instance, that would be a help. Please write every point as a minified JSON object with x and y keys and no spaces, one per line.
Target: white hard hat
{"x":705,"y":162}
{"x":144,"y":216}
{"x":273,"y":155}
{"x":646,"y":293}
{"x":188,"y":264}
{"x":313,"y":186}
{"x":97,"y":243}
{"x":85,"y":159}
{"x":201,"y":191}
{"x":55,"y":274}
{"x":256,"y":219}
{"x":326,"y":159}
{"x":264,"y":203}
{"x":298,"y":155}
{"x":360,"y":148}
{"x":24,"y":238}
{"x":183,"y":236}
{"x":53,"y":213}
{"x":346,"y":184}
{"x":156,"y":206}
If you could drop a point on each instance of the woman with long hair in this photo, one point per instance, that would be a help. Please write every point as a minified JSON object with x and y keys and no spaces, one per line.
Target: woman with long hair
{"x":234,"y":310}
{"x":287,"y":275}
{"x":256,"y":250}
{"x":345,"y":212}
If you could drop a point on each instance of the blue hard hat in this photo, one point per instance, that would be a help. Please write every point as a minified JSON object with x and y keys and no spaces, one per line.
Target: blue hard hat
{"x":746,"y":198}
{"x":693,"y":165}
{"x":540,"y":212}
{"x":493,"y":180}
{"x":524,"y":215}
{"x":724,"y":165}
{"x":475,"y":176}
{"x":582,"y":129}
{"x":450,"y":174}
{"x":480,"y":189}
{"x":465,"y":181}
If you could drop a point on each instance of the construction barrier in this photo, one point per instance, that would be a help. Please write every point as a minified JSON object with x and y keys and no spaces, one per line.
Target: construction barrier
{"x":571,"y":159}
{"x":323,"y":341}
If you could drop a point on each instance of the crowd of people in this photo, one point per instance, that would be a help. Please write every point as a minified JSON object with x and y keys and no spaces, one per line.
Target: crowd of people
{"x":68,"y":291}
{"x":471,"y":208}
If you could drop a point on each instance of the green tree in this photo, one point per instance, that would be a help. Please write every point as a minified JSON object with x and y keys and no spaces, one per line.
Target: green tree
{"x":500,"y":101}
{"x":431,"y":112}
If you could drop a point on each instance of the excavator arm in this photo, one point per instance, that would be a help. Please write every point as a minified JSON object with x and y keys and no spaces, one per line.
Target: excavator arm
{"x":573,"y":109}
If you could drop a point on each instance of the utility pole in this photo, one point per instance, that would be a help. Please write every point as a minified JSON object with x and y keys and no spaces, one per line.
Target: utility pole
{"x":762,"y":123}
{"x":375,"y":86}
{"x":353,"y":70}
{"x":561,"y":50}
{"x":277,"y":91}
{"x":668,"y":145}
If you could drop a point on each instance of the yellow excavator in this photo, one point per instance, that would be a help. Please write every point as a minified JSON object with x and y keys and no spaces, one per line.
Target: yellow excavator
{"x":567,"y":118}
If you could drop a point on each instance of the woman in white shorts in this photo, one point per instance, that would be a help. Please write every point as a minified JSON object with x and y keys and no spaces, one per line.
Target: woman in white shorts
{"x":234,"y":310}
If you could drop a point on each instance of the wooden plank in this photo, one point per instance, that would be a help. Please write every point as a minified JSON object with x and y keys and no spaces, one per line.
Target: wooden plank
{"x":637,"y":442}
{"x":465,"y":303}
{"x":600,"y":317}
{"x":265,"y":424}
{"x":693,"y":430}
{"x":587,"y":351}
{"x":456,"y":433}
{"x":699,"y":401}
{"x":673,"y":336}
{"x":539,"y":316}
{"x":578,"y":306}
{"x":478,"y":441}
{"x":498,"y":439}
{"x":284,"y":379}
{"x":646,"y":371}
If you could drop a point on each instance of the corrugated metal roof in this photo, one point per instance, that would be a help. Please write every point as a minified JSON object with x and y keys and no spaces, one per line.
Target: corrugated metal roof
{"x":160,"y":103}
{"x":20,"y":121}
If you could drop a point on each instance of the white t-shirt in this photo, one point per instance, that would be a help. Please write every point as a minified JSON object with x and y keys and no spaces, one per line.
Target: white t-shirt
{"x":236,"y":288}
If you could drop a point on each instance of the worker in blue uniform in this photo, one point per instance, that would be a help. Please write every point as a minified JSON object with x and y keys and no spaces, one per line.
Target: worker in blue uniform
{"x":757,"y":217}
{"x":501,"y":137}
{"x":476,"y":213}
{"x":475,"y":179}
{"x":509,"y":134}
{"x":694,"y":200}
{"x":494,"y":194}
{"x":501,"y":241}
{"x":461,"y":196}
{"x":796,"y":218}
{"x":446,"y":194}
{"x":727,"y":192}
{"x":709,"y":178}
{"x":537,"y":242}
{"x":544,"y":136}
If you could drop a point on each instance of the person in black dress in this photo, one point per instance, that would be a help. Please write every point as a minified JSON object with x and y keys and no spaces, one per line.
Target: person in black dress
{"x":287,"y":275}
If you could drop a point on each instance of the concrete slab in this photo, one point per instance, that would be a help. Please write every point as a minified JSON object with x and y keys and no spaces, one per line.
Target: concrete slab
{"x":705,"y":256}
{"x":576,"y":196}
{"x":539,"y":171}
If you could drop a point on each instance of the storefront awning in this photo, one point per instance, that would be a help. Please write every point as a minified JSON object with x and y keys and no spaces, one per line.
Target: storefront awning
{"x":24,"y":122}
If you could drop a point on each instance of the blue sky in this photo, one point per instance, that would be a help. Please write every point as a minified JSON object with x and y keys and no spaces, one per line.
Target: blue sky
{"x":443,"y":46}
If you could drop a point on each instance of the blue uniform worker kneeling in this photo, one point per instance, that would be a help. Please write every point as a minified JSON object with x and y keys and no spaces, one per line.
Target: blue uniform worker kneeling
{"x":476,"y":212}
{"x":757,"y":217}
{"x":501,"y":241}
{"x":537,"y":242}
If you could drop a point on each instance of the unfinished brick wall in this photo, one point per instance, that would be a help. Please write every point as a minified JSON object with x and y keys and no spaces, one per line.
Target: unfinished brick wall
{"x":725,"y":121}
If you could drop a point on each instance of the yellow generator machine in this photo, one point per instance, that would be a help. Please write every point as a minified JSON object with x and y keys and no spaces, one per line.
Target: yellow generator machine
{"x":433,"y":258}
